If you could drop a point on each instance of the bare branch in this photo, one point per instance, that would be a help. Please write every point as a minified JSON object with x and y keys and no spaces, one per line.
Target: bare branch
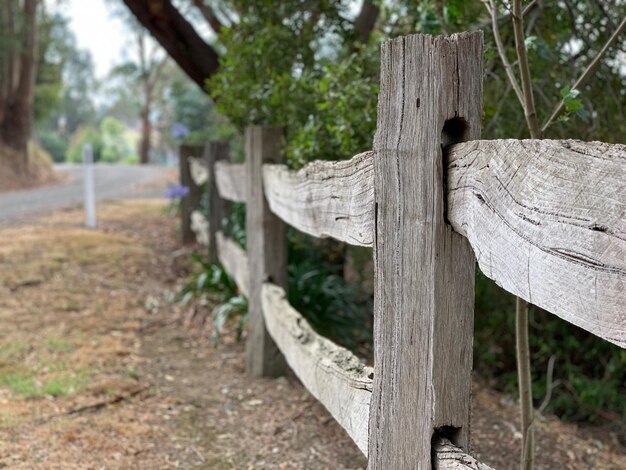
{"x":550,"y":385}
{"x":593,"y":65}
{"x":493,"y":12}
{"x":178,"y":37}
{"x":527,"y":88}
{"x":207,"y":12}
{"x":525,"y":383}
{"x":506,"y":16}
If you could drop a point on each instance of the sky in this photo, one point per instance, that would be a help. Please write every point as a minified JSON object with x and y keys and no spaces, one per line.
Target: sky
{"x":97,"y":31}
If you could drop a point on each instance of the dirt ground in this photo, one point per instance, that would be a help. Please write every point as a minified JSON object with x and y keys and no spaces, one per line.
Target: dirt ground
{"x":100,"y":369}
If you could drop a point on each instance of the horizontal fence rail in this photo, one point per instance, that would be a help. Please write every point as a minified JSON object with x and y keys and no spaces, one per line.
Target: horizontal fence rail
{"x":540,"y":224}
{"x":230,"y":179}
{"x":521,"y":206}
{"x":325,"y":199}
{"x":331,"y":373}
{"x":547,"y":221}
{"x":235,"y":261}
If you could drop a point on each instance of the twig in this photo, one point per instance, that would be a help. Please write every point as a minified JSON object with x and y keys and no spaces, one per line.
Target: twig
{"x":525,"y":383}
{"x":506,"y":16}
{"x":491,"y":8}
{"x":549,"y":384}
{"x":99,"y":404}
{"x":587,"y":73}
{"x":521,"y":313}
{"x":496,"y":115}
{"x":108,"y":401}
{"x":527,"y":88}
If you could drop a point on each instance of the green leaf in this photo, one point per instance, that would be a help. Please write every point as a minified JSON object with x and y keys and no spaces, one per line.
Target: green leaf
{"x":570,"y":99}
{"x":202,"y":278}
{"x":531,"y":43}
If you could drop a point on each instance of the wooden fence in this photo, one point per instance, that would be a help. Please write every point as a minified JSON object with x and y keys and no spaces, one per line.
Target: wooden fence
{"x":546,"y":220}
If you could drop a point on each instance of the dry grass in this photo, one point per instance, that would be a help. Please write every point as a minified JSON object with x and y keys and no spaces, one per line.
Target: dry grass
{"x":38,"y":172}
{"x":91,"y":378}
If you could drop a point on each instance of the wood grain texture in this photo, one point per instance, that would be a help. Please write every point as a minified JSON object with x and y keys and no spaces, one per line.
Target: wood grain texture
{"x":190,"y":202}
{"x":424,"y":280}
{"x":266,"y":242}
{"x":547,"y":221}
{"x":218,"y":208}
{"x":332,"y":374}
{"x":234,"y":260}
{"x":337,"y":378}
{"x":450,"y":457}
{"x":326,"y":199}
{"x":231,"y":181}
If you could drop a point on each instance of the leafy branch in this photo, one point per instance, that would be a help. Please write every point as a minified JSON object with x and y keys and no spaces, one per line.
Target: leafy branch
{"x":593,"y":65}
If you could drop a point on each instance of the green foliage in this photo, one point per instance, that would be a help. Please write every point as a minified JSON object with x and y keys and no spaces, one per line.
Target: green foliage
{"x":318,"y":84}
{"x":65,"y":76}
{"x":573,"y":105}
{"x":343,"y":120}
{"x":83,"y":136}
{"x":192,"y":108}
{"x":318,"y":290}
{"x":213,"y":279}
{"x":54,"y":144}
{"x":297,"y":66}
{"x":24,"y":384}
{"x":235,"y":308}
{"x":589,"y":373}
{"x":110,"y":143}
{"x":131,"y":160}
{"x":115,"y":147}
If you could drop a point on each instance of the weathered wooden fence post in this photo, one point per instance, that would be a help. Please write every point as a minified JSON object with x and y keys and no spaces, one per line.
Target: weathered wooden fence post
{"x":431,"y":96}
{"x":267,"y":249}
{"x":190,"y":202}
{"x":217,"y":207}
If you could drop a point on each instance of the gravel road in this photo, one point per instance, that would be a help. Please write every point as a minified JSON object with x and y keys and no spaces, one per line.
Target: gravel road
{"x":112,"y":182}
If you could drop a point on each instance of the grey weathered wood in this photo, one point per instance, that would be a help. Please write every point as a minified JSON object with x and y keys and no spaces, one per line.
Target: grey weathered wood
{"x":450,"y":457}
{"x":267,"y":249}
{"x":190,"y":202}
{"x":326,"y":199}
{"x":332,"y":374}
{"x":217,"y":207}
{"x":231,"y":181}
{"x":547,"y":221}
{"x":424,"y":298}
{"x":337,"y":378}
{"x":234,"y":260}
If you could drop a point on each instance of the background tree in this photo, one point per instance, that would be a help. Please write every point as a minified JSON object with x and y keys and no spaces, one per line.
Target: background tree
{"x":18,"y":71}
{"x":141,"y":72}
{"x":65,"y":86}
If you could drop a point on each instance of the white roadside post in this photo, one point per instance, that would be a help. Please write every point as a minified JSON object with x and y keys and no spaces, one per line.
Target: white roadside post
{"x":90,"y":198}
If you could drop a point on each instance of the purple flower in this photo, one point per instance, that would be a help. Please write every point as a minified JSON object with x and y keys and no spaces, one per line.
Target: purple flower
{"x":176,"y":191}
{"x":179,"y":130}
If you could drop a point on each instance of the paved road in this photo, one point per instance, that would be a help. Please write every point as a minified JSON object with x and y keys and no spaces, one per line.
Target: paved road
{"x":112,"y":182}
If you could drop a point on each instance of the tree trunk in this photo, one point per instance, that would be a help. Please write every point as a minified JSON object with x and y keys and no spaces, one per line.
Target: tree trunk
{"x":366,"y":20}
{"x":146,"y":132}
{"x":16,"y":126}
{"x":181,"y":41}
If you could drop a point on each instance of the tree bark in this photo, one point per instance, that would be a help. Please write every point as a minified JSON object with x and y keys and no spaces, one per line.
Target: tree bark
{"x":17,"y":123}
{"x":365,"y":22}
{"x":207,"y":13}
{"x":146,"y":133}
{"x":181,"y":41}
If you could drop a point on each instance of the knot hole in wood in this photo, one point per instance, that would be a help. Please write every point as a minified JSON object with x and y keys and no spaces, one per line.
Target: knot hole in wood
{"x":454,"y":131}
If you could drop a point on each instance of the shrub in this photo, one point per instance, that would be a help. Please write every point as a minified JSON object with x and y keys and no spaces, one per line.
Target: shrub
{"x":54,"y":144}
